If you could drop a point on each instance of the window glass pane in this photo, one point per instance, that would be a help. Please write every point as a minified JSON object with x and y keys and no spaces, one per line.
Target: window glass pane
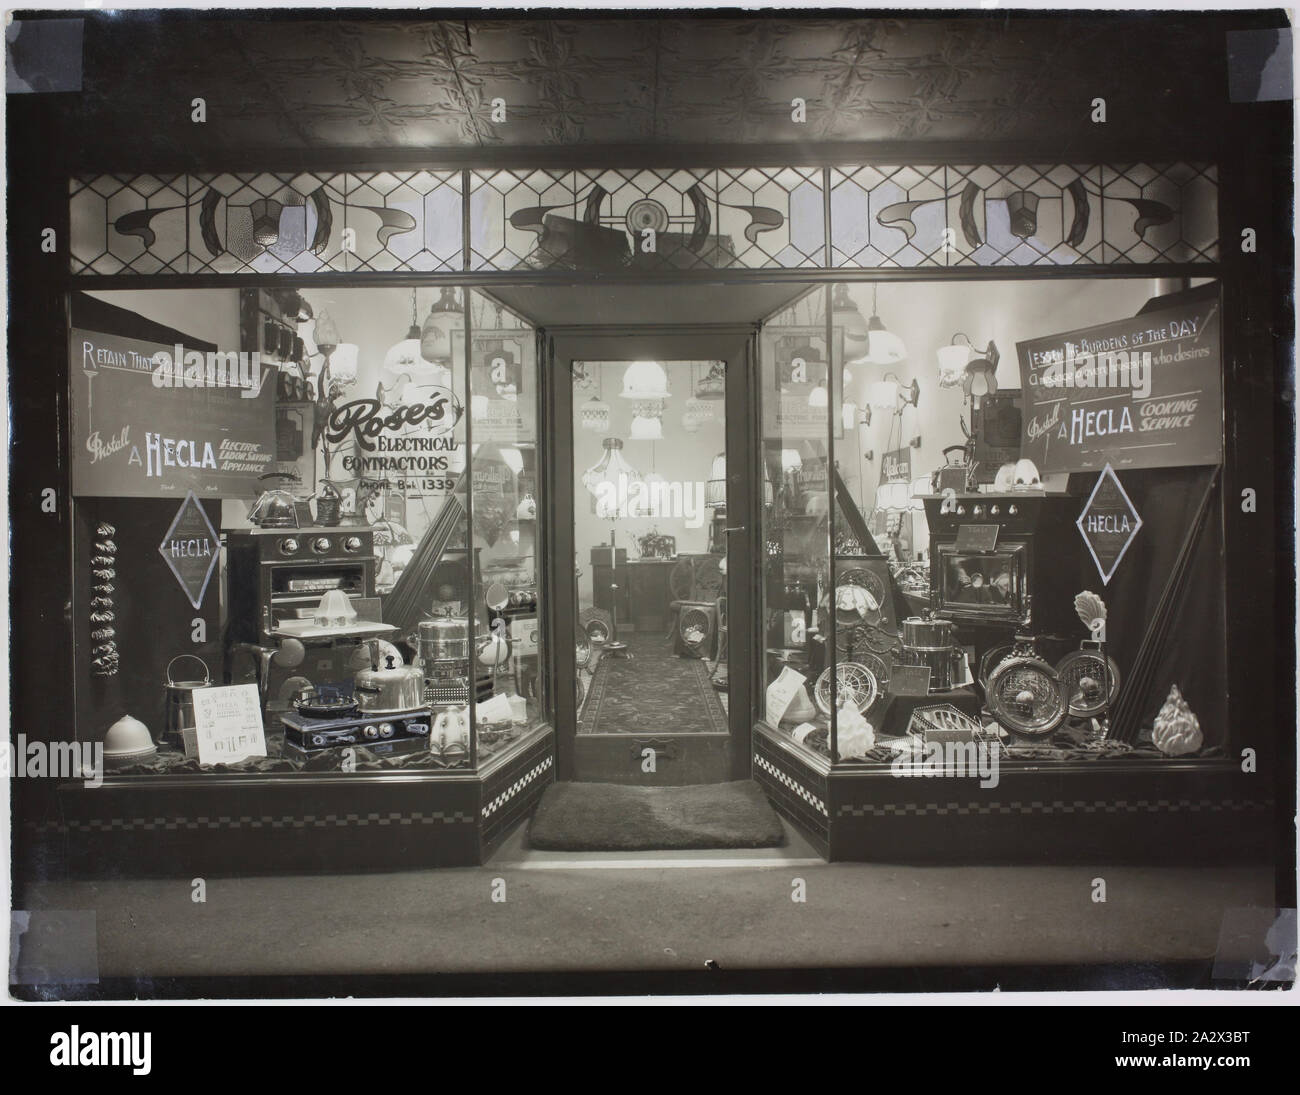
{"x":506,"y":507}
{"x":796,"y":410}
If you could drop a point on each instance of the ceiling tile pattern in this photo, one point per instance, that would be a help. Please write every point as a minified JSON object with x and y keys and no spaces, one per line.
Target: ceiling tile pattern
{"x":284,"y":83}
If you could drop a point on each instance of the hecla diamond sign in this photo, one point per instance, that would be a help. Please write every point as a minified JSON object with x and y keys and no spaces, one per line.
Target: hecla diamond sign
{"x":190,"y":548}
{"x":1108,"y":523}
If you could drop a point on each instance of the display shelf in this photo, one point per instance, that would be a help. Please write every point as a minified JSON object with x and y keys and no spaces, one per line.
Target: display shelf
{"x":1133,"y":808}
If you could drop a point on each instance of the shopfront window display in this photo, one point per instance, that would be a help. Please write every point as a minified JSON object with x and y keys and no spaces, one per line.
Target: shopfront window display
{"x":1021,"y":489}
{"x":306,"y":529}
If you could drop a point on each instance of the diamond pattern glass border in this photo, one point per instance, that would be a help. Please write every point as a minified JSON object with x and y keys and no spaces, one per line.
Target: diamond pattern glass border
{"x":266,"y":223}
{"x":1023,"y":215}
{"x":755,"y":218}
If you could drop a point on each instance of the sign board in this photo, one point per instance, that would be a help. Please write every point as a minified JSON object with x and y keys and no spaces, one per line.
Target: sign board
{"x":191,"y":548}
{"x":909,"y":680}
{"x":977,"y":538}
{"x":896,"y":466}
{"x":1108,"y":523}
{"x":1144,"y":392}
{"x":150,"y":420}
{"x":227,"y":724}
{"x":792,"y":408}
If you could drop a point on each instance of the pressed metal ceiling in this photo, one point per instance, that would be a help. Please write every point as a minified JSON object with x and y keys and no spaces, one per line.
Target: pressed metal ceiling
{"x":346,"y":82}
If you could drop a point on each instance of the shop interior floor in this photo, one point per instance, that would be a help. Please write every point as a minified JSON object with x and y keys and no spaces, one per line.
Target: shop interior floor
{"x":654,"y":916}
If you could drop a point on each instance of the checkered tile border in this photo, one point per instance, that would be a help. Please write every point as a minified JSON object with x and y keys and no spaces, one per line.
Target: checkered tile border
{"x":787,"y":781}
{"x":1059,"y":806}
{"x":248,"y":821}
{"x":518,"y":785}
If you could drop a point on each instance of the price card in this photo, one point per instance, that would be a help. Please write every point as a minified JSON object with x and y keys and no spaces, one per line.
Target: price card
{"x":227,"y":724}
{"x":497,"y":709}
{"x":781,"y":692}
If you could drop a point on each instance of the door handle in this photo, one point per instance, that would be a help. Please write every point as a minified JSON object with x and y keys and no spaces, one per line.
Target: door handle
{"x":736,"y":528}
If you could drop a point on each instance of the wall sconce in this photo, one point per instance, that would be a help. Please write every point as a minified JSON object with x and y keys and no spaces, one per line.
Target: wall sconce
{"x":890,"y":395}
{"x":915,"y":442}
{"x":961,"y":363}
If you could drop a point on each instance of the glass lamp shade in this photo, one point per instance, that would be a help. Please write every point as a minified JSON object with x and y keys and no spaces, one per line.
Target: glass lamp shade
{"x":715,"y":491}
{"x":266,"y":221}
{"x":849,"y":415}
{"x":920,"y":487}
{"x":610,"y":482}
{"x":952,"y":364}
{"x":343,"y":364}
{"x":893,"y":496}
{"x":882,"y":395}
{"x":647,"y":428}
{"x":886,"y":348}
{"x":513,"y":459}
{"x":691,"y":423}
{"x":817,"y":398}
{"x":645,"y":380}
{"x":326,"y":333}
{"x":435,"y":335}
{"x":791,"y":460}
{"x":595,"y":415}
{"x":846,"y":316}
{"x":701,"y":409}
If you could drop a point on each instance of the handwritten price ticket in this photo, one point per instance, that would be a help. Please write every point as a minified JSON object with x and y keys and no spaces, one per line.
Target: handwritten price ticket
{"x":228,"y":724}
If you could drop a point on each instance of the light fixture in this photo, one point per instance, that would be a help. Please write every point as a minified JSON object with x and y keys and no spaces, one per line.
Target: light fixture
{"x":952,"y":360}
{"x":818,"y":398}
{"x":700,"y":409}
{"x":885,"y":348}
{"x":609,"y":481}
{"x":849,"y":415}
{"x":647,"y":421}
{"x":882,"y":395}
{"x":890,"y":395}
{"x":513,"y":459}
{"x":715,"y":491}
{"x":445,"y":316}
{"x":713,"y":385}
{"x":404,"y":357}
{"x":266,"y":221}
{"x":646,"y":428}
{"x":980,"y":377}
{"x":595,"y":415}
{"x":846,"y":316}
{"x":326,"y":333}
{"x":791,"y":460}
{"x":645,"y":380}
{"x":894,"y":496}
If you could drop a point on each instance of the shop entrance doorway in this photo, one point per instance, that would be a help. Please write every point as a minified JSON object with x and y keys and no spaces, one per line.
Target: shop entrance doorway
{"x":655,"y":499}
{"x":652,"y":525}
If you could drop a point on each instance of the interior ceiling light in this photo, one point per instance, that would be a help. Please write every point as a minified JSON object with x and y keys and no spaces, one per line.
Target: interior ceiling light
{"x":884,"y":347}
{"x":846,"y":316}
{"x":444,"y":317}
{"x":609,"y":481}
{"x":645,"y":380}
{"x":595,"y":415}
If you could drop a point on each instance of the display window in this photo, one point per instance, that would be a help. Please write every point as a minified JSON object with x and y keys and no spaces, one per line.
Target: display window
{"x":306,"y":530}
{"x":995,"y":521}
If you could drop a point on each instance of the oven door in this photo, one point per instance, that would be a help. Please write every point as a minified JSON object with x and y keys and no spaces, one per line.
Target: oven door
{"x":982,"y":586}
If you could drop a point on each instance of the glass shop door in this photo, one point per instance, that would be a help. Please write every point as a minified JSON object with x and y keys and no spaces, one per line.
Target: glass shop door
{"x":658,"y":488}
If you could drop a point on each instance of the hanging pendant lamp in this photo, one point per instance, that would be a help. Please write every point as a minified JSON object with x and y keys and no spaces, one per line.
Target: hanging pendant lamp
{"x":846,"y":316}
{"x":884,"y":347}
{"x":647,"y":421}
{"x":645,"y":380}
{"x":444,"y":317}
{"x":715,"y":491}
{"x":610,"y":481}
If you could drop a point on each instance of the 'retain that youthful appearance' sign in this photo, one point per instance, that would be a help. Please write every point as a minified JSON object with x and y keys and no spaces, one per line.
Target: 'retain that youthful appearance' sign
{"x":150,"y":420}
{"x":1144,"y":392}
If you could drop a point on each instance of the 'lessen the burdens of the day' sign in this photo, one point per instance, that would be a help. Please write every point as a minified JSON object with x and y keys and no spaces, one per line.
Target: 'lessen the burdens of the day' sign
{"x":1144,"y":392}
{"x":150,"y":420}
